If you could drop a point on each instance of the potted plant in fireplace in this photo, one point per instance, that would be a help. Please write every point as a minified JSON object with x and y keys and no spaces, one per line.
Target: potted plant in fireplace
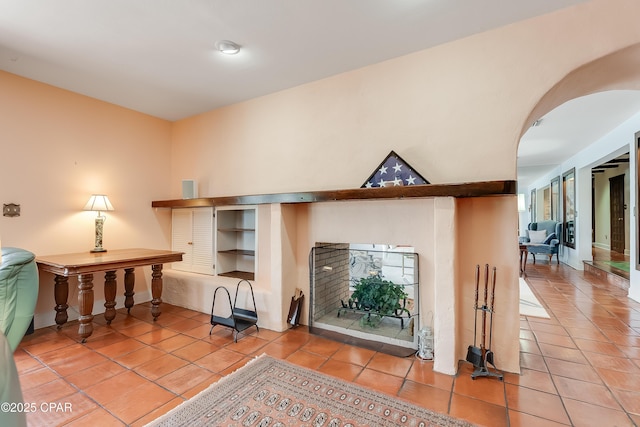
{"x":378,"y":298}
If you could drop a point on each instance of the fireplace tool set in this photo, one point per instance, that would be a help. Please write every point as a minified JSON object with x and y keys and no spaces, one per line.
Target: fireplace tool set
{"x":482,"y":356}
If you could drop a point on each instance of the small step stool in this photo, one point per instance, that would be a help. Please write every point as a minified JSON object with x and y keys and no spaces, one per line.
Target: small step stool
{"x":240,"y":319}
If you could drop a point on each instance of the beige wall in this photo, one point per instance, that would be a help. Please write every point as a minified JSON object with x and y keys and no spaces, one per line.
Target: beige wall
{"x":57,"y":149}
{"x":455,"y":112}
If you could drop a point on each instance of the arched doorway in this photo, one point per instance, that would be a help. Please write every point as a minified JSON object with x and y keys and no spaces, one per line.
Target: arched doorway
{"x":614,"y":72}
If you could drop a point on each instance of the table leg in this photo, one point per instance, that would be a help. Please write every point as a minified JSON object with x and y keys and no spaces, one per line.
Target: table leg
{"x":156,"y":290}
{"x":524,"y":264}
{"x":110,"y":296}
{"x":129,"y":282}
{"x":61,"y":294}
{"x":85,"y":305}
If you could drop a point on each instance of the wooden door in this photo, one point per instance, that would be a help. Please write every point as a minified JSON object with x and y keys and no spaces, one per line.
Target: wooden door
{"x":616,"y":197}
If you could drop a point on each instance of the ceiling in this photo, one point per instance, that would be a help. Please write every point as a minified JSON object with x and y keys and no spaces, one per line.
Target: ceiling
{"x":158,"y":56}
{"x":570,"y":128}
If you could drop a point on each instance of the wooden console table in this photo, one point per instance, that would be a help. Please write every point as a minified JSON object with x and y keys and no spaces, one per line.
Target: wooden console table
{"x":85,"y":264}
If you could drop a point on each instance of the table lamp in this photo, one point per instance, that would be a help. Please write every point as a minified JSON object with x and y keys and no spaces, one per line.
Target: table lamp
{"x":99,"y":203}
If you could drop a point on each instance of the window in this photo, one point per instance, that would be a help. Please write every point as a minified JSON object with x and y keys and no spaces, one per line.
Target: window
{"x":569,"y":206}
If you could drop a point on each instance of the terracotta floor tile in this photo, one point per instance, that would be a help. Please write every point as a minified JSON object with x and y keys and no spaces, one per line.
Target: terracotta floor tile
{"x":559,"y":340}
{"x":533,"y":361}
{"x":426,"y":396}
{"x":200,"y":387}
{"x":576,"y":371}
{"x":147,"y":398}
{"x":121,"y":347}
{"x":422,"y":372}
{"x":195,"y":350}
{"x":156,"y":335}
{"x":520,"y":419}
{"x":37,"y":377}
{"x":478,"y":412}
{"x":490,"y":390}
{"x":306,"y":359}
{"x":235,"y":366}
{"x":97,"y":417}
{"x":103,"y":392}
{"x":620,"y":380}
{"x":356,"y":355}
{"x":49,"y":392}
{"x":163,"y":409}
{"x":533,"y":402}
{"x":95,"y":374}
{"x":623,"y":364}
{"x":630,"y":400}
{"x":140,"y":328}
{"x":547,"y":328}
{"x":160,"y":366}
{"x":174,"y":343}
{"x":591,"y":334}
{"x":530,"y":378}
{"x":138,"y":357}
{"x":380,"y":381}
{"x":585,"y":414}
{"x":202,"y":331}
{"x":601,"y":347}
{"x":293,"y":337}
{"x":595,"y":394}
{"x":186,"y":378}
{"x":392,"y":365}
{"x":26,"y":362}
{"x":56,"y":412}
{"x":277,"y":350}
{"x":562,"y":353}
{"x":247,"y":344}
{"x":344,"y":370}
{"x":219,"y":360}
{"x":528,"y":346}
{"x":321,"y":346}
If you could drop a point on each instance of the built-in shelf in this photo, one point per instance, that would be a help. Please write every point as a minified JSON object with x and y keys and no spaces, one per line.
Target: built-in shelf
{"x":239,"y":252}
{"x":242,"y":275}
{"x":471,"y":189}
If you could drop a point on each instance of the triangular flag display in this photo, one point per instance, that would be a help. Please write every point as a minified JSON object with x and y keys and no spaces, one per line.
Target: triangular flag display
{"x":394,"y":171}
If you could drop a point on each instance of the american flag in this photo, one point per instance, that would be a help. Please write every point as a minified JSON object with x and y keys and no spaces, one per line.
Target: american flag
{"x":394,"y":171}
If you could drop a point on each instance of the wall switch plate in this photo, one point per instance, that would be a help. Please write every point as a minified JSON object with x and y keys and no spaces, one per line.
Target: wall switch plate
{"x":11,"y":209}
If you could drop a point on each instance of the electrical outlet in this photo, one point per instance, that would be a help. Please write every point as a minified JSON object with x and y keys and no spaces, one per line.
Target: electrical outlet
{"x":11,"y":209}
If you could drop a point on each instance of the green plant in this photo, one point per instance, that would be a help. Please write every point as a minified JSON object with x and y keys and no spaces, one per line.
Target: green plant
{"x":379,"y":297}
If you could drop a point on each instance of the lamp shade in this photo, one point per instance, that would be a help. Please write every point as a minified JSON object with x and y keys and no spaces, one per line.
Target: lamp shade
{"x":99,"y":203}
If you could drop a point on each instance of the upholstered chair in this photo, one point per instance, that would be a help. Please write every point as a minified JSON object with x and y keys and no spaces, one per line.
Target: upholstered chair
{"x":543,"y":237}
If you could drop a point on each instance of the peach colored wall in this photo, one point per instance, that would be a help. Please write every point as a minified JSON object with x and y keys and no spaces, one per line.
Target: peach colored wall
{"x":58,"y":149}
{"x":488,"y":234}
{"x":445,"y":110}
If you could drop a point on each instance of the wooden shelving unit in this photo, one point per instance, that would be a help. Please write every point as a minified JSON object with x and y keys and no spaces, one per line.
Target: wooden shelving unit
{"x":236,"y":242}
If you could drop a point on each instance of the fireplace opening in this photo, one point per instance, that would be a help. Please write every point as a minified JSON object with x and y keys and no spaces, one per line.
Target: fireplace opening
{"x":365,"y":294}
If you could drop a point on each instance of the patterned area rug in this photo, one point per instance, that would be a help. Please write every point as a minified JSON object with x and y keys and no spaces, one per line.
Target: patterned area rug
{"x":275,"y":393}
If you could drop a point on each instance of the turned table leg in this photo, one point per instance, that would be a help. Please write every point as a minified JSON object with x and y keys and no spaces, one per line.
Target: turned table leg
{"x":61,"y":295}
{"x":85,"y":305}
{"x":110,"y":296}
{"x":156,"y":290}
{"x":129,"y":282}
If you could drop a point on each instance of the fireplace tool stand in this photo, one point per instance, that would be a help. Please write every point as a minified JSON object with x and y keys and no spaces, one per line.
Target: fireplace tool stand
{"x":482,"y":357}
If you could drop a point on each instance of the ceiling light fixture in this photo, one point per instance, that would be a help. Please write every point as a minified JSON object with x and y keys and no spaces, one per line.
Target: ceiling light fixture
{"x":228,"y":47}
{"x":536,"y":123}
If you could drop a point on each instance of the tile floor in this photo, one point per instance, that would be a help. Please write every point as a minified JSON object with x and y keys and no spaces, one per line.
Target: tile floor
{"x":581,"y":367}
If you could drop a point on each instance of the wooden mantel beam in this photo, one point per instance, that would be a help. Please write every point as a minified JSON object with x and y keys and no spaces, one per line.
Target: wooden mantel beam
{"x":471,"y":189}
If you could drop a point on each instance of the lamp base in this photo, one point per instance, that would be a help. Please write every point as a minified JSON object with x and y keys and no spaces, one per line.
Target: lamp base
{"x":96,"y":250}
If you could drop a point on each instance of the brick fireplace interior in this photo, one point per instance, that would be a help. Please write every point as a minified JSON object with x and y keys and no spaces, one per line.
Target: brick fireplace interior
{"x":335,"y":270}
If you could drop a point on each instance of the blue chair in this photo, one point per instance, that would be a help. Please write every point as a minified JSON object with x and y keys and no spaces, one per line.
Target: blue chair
{"x":547,"y":245}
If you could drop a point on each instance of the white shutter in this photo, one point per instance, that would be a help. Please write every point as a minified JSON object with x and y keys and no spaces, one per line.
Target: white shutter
{"x":181,"y":235}
{"x":202,"y":261}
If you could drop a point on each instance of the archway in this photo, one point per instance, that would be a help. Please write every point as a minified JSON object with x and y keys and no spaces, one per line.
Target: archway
{"x":616,"y":71}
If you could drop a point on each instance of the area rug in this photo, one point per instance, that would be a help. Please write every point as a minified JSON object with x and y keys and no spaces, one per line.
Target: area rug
{"x":275,"y":393}
{"x":529,"y":304}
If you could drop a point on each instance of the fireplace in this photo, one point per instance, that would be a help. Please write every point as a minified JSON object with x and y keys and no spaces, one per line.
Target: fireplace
{"x":365,"y":294}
